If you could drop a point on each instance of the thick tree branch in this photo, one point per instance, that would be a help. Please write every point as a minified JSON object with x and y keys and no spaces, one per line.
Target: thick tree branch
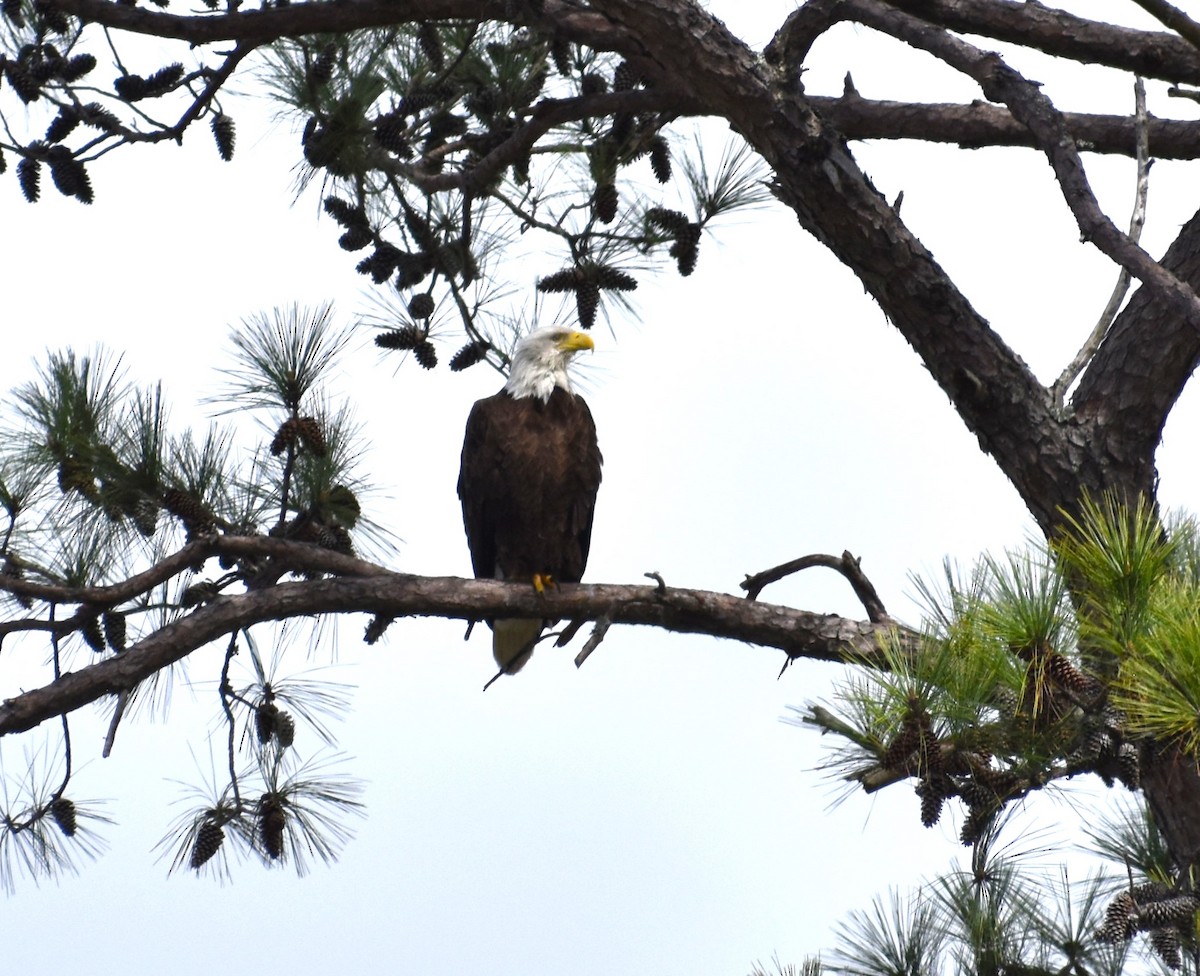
{"x":263,"y":25}
{"x":1151,"y":54}
{"x":799,"y":634}
{"x":1142,"y":366}
{"x":979,"y":124}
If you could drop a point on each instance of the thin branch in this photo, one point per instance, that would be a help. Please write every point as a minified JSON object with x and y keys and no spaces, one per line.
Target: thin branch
{"x":593,"y":641}
{"x":289,"y":555}
{"x":118,"y":713}
{"x":546,"y":115}
{"x":1136,"y":222}
{"x":226,"y":692}
{"x":66,"y":724}
{"x":846,"y":564}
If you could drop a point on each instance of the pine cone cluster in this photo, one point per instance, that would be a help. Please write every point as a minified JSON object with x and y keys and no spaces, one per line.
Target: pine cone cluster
{"x":272,"y":722}
{"x":1157,"y":909}
{"x":305,"y":431}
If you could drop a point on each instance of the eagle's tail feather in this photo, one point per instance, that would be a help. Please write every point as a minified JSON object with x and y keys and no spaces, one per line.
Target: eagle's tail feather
{"x":512,"y":642}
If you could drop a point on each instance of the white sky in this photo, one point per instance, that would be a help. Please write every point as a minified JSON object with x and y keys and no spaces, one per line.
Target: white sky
{"x":650,"y":812}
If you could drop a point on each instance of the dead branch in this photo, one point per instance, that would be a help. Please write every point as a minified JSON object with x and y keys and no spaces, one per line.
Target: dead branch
{"x":823,"y":637}
{"x":1136,"y":222}
{"x":846,"y":564}
{"x":593,"y":641}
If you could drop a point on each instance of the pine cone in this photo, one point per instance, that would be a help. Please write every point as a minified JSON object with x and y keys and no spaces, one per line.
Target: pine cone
{"x":421,"y":306}
{"x":1080,"y":686}
{"x":345,"y":214}
{"x":933,"y":792}
{"x":902,"y":747}
{"x":430,"y":42}
{"x":209,"y":839}
{"x":1118,"y":919}
{"x":604,"y":202}
{"x":391,"y":132}
{"x":612,"y":279}
{"x":425,"y":354}
{"x":686,"y":249}
{"x":560,"y":54}
{"x":63,"y":812}
{"x":285,"y":730}
{"x":224,"y":135}
{"x":587,"y":300}
{"x":1166,"y":944}
{"x":468,"y":355}
{"x":92,"y":635}
{"x":266,"y":717}
{"x":405,"y":338}
{"x":272,"y":822}
{"x":114,"y":629}
{"x":29,"y":174}
{"x":63,"y":125}
{"x":69,"y":175}
{"x":625,"y":77}
{"x":660,"y":159}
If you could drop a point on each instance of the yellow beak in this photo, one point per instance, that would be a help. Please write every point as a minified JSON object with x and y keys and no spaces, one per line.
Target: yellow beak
{"x":576,"y":341}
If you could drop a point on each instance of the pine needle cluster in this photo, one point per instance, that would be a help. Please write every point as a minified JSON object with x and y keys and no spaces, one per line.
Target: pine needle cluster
{"x":434,"y":172}
{"x":96,"y":486}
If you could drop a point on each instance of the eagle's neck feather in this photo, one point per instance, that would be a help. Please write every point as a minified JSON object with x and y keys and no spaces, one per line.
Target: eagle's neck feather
{"x":532,"y":376}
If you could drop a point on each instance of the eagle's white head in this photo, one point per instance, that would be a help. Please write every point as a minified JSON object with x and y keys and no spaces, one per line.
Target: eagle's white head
{"x":539,"y":362}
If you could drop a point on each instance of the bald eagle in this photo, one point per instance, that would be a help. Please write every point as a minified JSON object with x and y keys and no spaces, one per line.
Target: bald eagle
{"x":528,"y":480}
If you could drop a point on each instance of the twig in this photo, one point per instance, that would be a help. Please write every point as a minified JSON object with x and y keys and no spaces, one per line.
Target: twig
{"x":1137,"y":221}
{"x":66,"y":725}
{"x":226,"y":692}
{"x":593,"y":641}
{"x":567,"y":634}
{"x":662,"y":585}
{"x":846,"y":564}
{"x":118,"y":714}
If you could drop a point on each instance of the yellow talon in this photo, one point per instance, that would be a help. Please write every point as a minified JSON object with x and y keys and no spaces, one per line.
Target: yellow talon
{"x":543,"y":582}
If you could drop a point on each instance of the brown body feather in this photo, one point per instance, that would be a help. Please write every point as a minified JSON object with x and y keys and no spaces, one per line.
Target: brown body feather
{"x":528,"y":481}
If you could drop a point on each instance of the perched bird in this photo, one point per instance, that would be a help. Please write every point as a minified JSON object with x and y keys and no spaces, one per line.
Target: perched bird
{"x":528,"y":480}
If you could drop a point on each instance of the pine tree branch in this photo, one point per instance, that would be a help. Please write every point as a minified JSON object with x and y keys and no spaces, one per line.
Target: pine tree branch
{"x":799,"y":634}
{"x":979,"y":125}
{"x":1151,"y":54}
{"x":261,"y":26}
